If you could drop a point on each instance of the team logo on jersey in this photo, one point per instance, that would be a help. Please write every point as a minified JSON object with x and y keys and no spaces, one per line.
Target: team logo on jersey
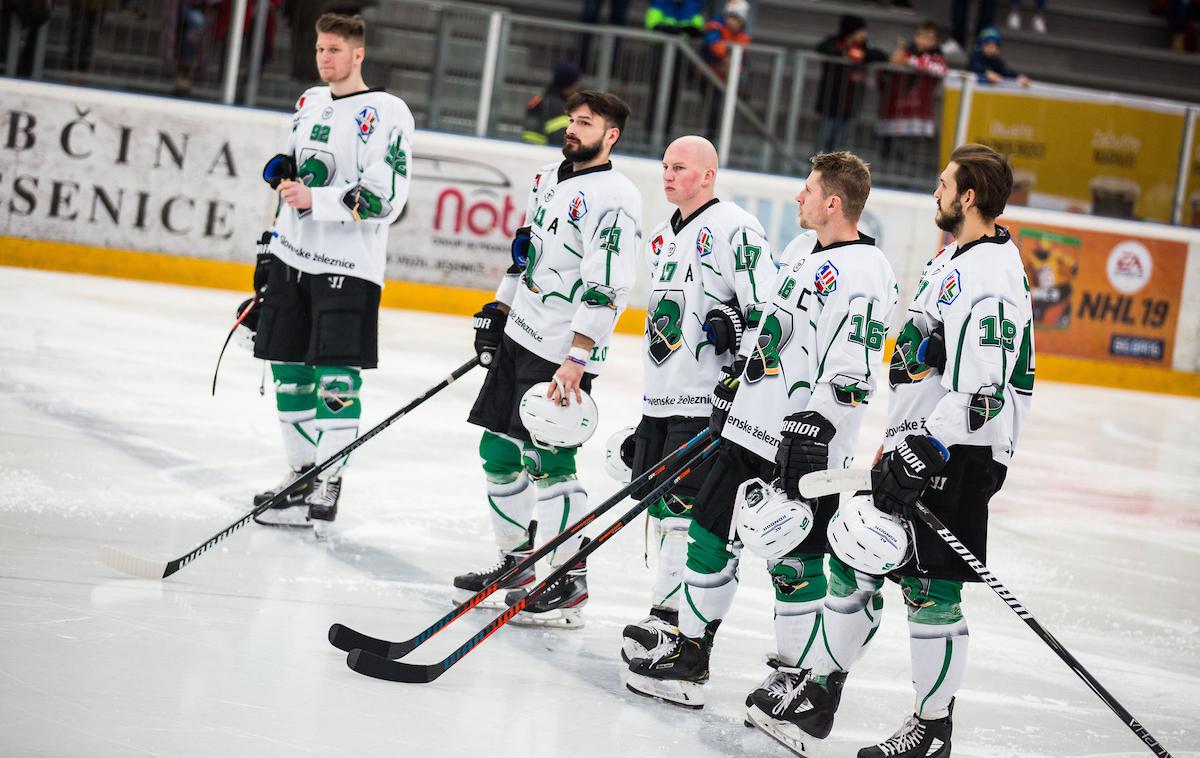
{"x":656,"y":245}
{"x":826,"y":279}
{"x":773,"y":335}
{"x":578,"y":207}
{"x":366,"y":120}
{"x":664,"y":324}
{"x":327,"y":113}
{"x":537,"y":181}
{"x":300,"y":102}
{"x":704,"y":242}
{"x":950,"y":288}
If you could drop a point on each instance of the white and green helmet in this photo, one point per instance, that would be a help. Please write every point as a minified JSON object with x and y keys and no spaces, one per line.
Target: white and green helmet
{"x":768,"y":522}
{"x":553,"y":425}
{"x":867,"y":539}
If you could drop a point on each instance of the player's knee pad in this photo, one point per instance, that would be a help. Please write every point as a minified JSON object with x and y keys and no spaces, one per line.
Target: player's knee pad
{"x":501,"y":458}
{"x":932,"y":602}
{"x":338,"y":392}
{"x":798,"y":578}
{"x":295,"y":387}
{"x":548,"y":467}
{"x":851,"y":591}
{"x":709,"y":560}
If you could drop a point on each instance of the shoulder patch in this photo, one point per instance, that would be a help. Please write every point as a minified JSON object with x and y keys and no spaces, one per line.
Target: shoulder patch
{"x":537,"y":180}
{"x":826,"y":279}
{"x":951,"y":287}
{"x":578,"y":207}
{"x":366,"y":120}
{"x":300,"y":102}
{"x":704,"y":242}
{"x":656,"y":245}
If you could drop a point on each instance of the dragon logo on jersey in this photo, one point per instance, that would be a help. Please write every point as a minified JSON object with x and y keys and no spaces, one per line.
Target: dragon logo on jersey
{"x":704,"y":242}
{"x":599,"y":296}
{"x":656,"y":245}
{"x":826,"y":279}
{"x":773,"y":335}
{"x":951,"y":286}
{"x":788,"y":576}
{"x":577,"y":209}
{"x":366,"y":120}
{"x":664,"y":324}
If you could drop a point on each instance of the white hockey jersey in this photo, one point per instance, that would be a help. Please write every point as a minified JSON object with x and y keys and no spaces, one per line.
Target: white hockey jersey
{"x":979,"y":296}
{"x":716,"y":255}
{"x":583,"y":257}
{"x":353,"y":152}
{"x":819,"y":345}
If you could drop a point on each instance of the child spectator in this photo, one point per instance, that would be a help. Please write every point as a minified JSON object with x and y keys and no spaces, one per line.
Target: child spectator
{"x":720,"y":35}
{"x":987,"y":63}
{"x":842,"y":81}
{"x":906,"y":102}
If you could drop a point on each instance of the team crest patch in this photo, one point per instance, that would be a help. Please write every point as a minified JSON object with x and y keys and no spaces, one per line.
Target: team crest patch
{"x":578,"y":207}
{"x":537,"y":181}
{"x":300,"y":102}
{"x":366,"y":120}
{"x":704,"y":242}
{"x":656,"y":245}
{"x":826,"y":279}
{"x":951,"y":286}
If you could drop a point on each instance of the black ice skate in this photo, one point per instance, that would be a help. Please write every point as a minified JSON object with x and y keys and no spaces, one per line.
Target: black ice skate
{"x":917,"y":738}
{"x":467,"y":586}
{"x":677,"y":671}
{"x":322,"y":505}
{"x":793,"y":709}
{"x":292,"y":510}
{"x":639,"y":639}
{"x":560,"y":606}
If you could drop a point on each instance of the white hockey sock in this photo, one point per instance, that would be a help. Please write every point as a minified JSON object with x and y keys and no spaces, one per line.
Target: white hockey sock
{"x":706,"y":598}
{"x":849,"y":623}
{"x":672,"y":554}
{"x":333,"y":434}
{"x":939,"y":664}
{"x":299,"y":437}
{"x":560,"y":505}
{"x":798,"y":632}
{"x":511,"y":505}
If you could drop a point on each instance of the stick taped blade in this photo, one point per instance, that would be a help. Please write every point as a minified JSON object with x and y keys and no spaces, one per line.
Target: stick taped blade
{"x":131,"y":564}
{"x":834,"y":481}
{"x":378,"y":667}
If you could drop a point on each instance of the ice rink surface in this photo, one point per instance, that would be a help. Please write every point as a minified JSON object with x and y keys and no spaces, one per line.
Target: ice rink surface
{"x":110,"y":436}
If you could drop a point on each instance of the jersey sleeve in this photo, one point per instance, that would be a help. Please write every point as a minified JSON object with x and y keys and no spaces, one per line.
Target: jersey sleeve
{"x":753,"y":272}
{"x":383,"y":181}
{"x":506,"y":292}
{"x":611,"y":251}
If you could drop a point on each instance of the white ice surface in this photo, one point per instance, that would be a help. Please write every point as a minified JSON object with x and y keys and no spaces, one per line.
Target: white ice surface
{"x":108,"y":435}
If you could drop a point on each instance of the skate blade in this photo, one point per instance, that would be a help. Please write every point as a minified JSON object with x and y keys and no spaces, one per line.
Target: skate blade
{"x":788,"y":735}
{"x":322,"y":530}
{"x":678,"y":693}
{"x":295,"y":517}
{"x":562,"y":618}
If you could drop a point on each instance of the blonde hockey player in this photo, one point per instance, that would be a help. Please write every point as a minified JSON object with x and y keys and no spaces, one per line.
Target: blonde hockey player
{"x":795,"y":406}
{"x":711,"y":267}
{"x":342,"y":181}
{"x":574,"y":261}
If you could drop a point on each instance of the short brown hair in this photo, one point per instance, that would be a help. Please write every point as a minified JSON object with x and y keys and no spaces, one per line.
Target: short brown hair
{"x":352,"y":28}
{"x":989,"y":173}
{"x":606,"y":105}
{"x":846,"y":175}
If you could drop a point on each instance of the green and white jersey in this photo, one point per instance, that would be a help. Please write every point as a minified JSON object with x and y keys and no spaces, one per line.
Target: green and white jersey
{"x":979,"y":296}
{"x":583,"y":253}
{"x":716,"y":255}
{"x":353,"y":152}
{"x":818,"y":346}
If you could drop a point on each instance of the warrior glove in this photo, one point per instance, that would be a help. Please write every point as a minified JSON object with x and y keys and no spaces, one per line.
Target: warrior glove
{"x":803,"y":449}
{"x":489,"y":327}
{"x":724,"y":325}
{"x":900,"y":476}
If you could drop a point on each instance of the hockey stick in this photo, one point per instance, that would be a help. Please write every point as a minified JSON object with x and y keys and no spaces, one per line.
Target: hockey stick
{"x":990,"y":579}
{"x":241,"y":317}
{"x":135,"y":566}
{"x":345,"y":638}
{"x":833,"y":481}
{"x":379,"y":667}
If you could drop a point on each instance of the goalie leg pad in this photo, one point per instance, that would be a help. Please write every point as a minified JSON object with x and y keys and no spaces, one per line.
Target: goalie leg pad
{"x":710,"y":580}
{"x":511,"y":499}
{"x":853,"y":610}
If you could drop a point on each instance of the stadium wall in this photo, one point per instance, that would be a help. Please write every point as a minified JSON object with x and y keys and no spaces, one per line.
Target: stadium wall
{"x":165,"y":190}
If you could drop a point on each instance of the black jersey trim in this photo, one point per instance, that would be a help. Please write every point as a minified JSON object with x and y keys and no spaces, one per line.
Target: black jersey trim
{"x":356,"y":94}
{"x":565,"y":172}
{"x":862,"y":240}
{"x":999,"y":238}
{"x":677,"y":223}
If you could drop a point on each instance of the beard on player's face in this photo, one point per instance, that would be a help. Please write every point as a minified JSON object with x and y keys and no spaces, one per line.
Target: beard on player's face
{"x":950,"y":220}
{"x":576,"y":151}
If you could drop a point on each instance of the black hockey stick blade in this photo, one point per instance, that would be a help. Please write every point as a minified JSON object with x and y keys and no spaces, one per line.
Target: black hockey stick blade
{"x":378,"y":667}
{"x":344,"y":638}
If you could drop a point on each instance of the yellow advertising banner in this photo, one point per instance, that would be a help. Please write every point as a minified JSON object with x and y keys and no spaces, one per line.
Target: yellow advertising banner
{"x":1191,"y":205}
{"x":1102,"y":296}
{"x":1078,"y":151}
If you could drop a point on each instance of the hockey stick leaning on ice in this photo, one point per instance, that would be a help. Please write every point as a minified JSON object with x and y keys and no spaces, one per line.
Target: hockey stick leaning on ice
{"x":135,"y":566}
{"x":821,"y":483}
{"x":345,"y":638}
{"x":379,"y":667}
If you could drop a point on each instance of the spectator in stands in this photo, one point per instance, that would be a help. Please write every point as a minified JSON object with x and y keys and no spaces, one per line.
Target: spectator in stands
{"x":1182,"y":17}
{"x":906,"y":121}
{"x":986,"y":60}
{"x":1039,"y":16}
{"x":958,"y":23}
{"x":720,"y":34}
{"x":30,"y":14}
{"x":684,"y":18}
{"x":189,"y":34}
{"x":618,"y":14}
{"x":546,"y":118}
{"x":84,"y":20}
{"x":842,"y":81}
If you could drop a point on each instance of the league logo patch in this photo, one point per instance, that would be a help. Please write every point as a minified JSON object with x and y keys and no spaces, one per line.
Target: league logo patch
{"x":300,"y":102}
{"x":537,"y":181}
{"x":951,"y":287}
{"x":704,"y":242}
{"x":366,"y":120}
{"x":578,"y":207}
{"x":826,"y":279}
{"x":656,"y":245}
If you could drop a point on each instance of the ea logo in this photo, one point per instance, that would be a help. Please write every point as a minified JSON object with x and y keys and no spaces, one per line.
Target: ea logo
{"x":1129,"y":266}
{"x":670,"y":249}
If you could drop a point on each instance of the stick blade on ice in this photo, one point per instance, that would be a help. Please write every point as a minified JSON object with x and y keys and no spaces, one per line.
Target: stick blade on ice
{"x":132,"y":564}
{"x":378,"y":667}
{"x":344,"y":638}
{"x":834,"y":481}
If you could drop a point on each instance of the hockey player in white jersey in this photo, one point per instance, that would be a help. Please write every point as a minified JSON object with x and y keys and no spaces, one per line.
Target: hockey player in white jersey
{"x":795,"y":407}
{"x":574,"y":261}
{"x":711,"y":267}
{"x":342,"y":180}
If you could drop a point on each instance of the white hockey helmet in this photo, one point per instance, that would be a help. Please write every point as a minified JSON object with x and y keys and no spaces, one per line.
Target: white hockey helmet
{"x":867,"y":539}
{"x":614,"y":463}
{"x":768,"y":523}
{"x":552,"y":425}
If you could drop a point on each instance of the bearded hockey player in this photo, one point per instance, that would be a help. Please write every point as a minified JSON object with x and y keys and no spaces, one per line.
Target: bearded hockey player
{"x":711,"y":267}
{"x":342,"y":180}
{"x":794,"y":406}
{"x":573,"y":264}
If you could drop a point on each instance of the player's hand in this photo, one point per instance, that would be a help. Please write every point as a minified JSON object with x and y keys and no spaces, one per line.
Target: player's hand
{"x":1023,"y":80}
{"x":566,"y":383}
{"x":878,"y":456}
{"x":901,"y":475}
{"x":296,"y":194}
{"x":803,"y":449}
{"x":993,"y":77}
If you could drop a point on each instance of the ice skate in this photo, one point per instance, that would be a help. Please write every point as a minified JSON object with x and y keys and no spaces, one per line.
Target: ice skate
{"x":292,"y":510}
{"x":560,"y":606}
{"x":322,"y":506}
{"x":916,"y":738}
{"x":649,"y":633}
{"x":793,"y":709}
{"x":468,"y":585}
{"x":676,"y":671}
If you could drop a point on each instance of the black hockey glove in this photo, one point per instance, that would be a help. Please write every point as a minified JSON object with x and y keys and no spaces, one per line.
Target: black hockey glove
{"x":803,"y":449}
{"x":900,"y":476}
{"x":722,"y":397}
{"x":520,"y":247}
{"x":932,"y":350}
{"x":280,"y":167}
{"x":724,"y":325}
{"x":262,"y":264}
{"x":489,"y":327}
